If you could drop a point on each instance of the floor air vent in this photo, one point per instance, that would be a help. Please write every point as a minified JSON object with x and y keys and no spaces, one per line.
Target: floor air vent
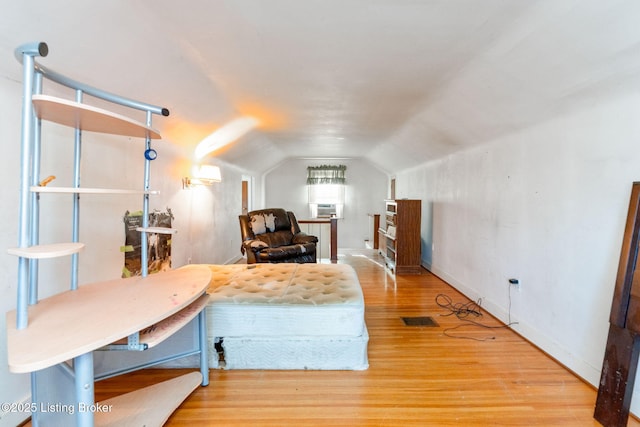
{"x":419,"y":321}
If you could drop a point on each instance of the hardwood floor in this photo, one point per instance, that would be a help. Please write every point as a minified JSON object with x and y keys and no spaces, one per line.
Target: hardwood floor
{"x":418,"y":376}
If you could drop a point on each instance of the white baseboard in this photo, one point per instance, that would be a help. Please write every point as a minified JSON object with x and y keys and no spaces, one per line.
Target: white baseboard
{"x":579,"y":367}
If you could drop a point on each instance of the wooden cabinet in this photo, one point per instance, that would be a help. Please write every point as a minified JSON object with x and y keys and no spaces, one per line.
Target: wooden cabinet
{"x":400,"y":236}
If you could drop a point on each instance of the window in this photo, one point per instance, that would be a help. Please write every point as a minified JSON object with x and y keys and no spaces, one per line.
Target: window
{"x":326,"y":186}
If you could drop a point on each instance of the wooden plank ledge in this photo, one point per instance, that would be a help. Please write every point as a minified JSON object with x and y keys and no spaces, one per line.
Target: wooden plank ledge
{"x":89,"y":118}
{"x":88,"y":190}
{"x":72,"y":323}
{"x":47,"y":251}
{"x":158,"y":230}
{"x":158,"y":332}
{"x":150,"y":406}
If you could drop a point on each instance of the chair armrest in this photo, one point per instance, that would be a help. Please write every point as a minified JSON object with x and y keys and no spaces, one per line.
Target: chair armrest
{"x":253,"y":245}
{"x":302,"y":238}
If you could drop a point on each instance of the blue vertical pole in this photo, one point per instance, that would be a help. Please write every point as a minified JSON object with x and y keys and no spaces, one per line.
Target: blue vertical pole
{"x":83,"y":367}
{"x":25,"y":167}
{"x":204,"y":346}
{"x":26,"y":54}
{"x":34,"y":238}
{"x":145,"y":204}
{"x":35,"y":414}
{"x":75,"y":232}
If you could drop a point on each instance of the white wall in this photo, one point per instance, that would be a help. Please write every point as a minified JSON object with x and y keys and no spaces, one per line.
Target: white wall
{"x":285,"y":186}
{"x":547,"y":206}
{"x":14,"y":388}
{"x":206,"y":217}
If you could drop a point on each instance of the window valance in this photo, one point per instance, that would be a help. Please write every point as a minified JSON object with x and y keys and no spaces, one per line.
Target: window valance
{"x":326,"y":174}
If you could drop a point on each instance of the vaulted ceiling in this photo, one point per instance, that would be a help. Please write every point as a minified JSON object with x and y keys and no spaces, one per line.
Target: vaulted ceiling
{"x":396,"y":82}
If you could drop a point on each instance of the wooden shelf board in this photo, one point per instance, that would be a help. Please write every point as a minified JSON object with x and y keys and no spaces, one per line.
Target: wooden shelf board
{"x":150,"y":406}
{"x":89,"y":118}
{"x":53,"y":250}
{"x":158,"y":332}
{"x":72,"y":323}
{"x":159,"y":230}
{"x":87,"y":190}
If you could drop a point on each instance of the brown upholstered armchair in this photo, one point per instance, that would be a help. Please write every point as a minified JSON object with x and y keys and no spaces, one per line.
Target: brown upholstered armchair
{"x":273,"y":235}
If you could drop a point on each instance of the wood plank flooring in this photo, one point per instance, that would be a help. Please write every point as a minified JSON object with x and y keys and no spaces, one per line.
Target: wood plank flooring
{"x":418,"y":376}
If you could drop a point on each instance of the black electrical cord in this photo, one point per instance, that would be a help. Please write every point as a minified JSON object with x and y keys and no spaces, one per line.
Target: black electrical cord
{"x":466,"y":312}
{"x":461,"y":310}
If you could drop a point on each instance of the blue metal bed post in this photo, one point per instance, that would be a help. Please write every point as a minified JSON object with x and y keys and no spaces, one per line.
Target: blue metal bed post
{"x":34,"y":238}
{"x":26,"y":55}
{"x":75,"y":232}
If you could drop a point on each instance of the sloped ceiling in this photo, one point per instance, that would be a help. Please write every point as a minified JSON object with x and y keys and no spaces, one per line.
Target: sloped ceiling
{"x":397,"y":82}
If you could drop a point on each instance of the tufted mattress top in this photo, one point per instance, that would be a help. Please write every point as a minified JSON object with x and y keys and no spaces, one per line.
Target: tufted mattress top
{"x":303,"y":300}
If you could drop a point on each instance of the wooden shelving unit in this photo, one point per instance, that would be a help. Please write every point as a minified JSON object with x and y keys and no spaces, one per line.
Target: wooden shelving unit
{"x":399,"y":236}
{"x":54,"y":339}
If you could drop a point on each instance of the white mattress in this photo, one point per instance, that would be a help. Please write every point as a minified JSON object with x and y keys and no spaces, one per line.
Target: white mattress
{"x":285,"y":316}
{"x":280,"y":300}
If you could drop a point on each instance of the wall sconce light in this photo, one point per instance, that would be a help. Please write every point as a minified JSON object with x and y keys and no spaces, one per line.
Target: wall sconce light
{"x":202,"y":175}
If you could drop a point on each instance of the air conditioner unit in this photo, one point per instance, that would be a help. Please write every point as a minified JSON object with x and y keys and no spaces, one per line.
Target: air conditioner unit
{"x":327,"y":210}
